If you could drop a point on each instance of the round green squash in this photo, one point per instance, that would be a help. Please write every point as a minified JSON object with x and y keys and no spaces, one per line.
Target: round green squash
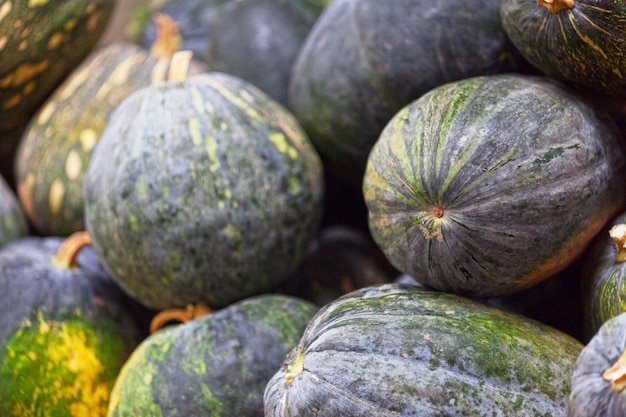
{"x":41,"y":42}
{"x":215,"y":365}
{"x":202,"y":189}
{"x":255,"y":40}
{"x":55,"y":149}
{"x":13,"y":223}
{"x":599,"y":373}
{"x":603,"y":276}
{"x":489,"y":185}
{"x":66,"y":329}
{"x":580,"y":41}
{"x":398,"y":350}
{"x":363,"y":60}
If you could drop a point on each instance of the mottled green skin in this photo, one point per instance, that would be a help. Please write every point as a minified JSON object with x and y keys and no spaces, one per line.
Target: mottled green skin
{"x":13,"y":223}
{"x":202,"y":190}
{"x":57,"y":145}
{"x":603,"y":280}
{"x":525,"y":174}
{"x":217,"y":365}
{"x":45,"y":41}
{"x":584,"y":44}
{"x":397,"y":350}
{"x":365,"y":59}
{"x":591,"y":394}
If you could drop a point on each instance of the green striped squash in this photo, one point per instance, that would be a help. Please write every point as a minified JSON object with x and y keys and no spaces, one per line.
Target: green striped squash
{"x":216,"y":365}
{"x":491,"y":184}
{"x":397,"y":350}
{"x":581,"y":41}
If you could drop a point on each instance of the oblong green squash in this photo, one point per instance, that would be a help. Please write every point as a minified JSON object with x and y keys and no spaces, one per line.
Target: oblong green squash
{"x":397,"y":350}
{"x":216,"y":365}
{"x":491,"y":184}
{"x":202,"y":189}
{"x":580,"y":41}
{"x":598,"y":376}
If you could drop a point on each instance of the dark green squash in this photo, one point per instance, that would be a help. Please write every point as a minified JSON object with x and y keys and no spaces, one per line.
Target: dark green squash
{"x":13,"y":223}
{"x":41,"y":42}
{"x":256,"y":40}
{"x":56,"y":147}
{"x":365,"y":59}
{"x":215,"y":365}
{"x":489,"y":185}
{"x":396,"y":350}
{"x":603,"y":276}
{"x":598,"y":379}
{"x":66,"y":329}
{"x":580,"y":41}
{"x":203,"y":189}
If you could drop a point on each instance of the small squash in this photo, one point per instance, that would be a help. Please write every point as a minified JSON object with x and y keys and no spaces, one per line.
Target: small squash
{"x":202,"y":189}
{"x":55,"y":149}
{"x":579,"y":41}
{"x":363,"y":60}
{"x":41,"y":43}
{"x":489,"y":185}
{"x":397,"y":350}
{"x":66,"y":329}
{"x":598,"y":379}
{"x":214,"y":365}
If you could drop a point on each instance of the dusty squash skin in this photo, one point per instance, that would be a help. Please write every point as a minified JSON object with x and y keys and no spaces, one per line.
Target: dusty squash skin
{"x":398,"y":350}
{"x":13,"y":223}
{"x":365,"y":59}
{"x":581,"y":41}
{"x":598,"y":376}
{"x":65,"y":331}
{"x":202,"y":190}
{"x":56,"y":147}
{"x":492,"y":184}
{"x":42,"y":42}
{"x":216,"y":365}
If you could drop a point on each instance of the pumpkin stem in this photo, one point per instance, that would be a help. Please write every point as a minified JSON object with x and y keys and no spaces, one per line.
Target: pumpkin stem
{"x":618,"y":234}
{"x":65,"y":257}
{"x":179,"y":66}
{"x":295,"y":366}
{"x":616,"y":374}
{"x":555,"y":6}
{"x":183,"y":315}
{"x":168,"y":39}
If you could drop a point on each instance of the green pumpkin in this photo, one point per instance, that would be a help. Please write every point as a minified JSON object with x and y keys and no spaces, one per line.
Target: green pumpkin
{"x":215,"y":365}
{"x":489,"y":185}
{"x":365,"y":59}
{"x":66,"y":329}
{"x":55,"y":149}
{"x":13,"y":223}
{"x":398,"y":350}
{"x":580,"y":41}
{"x":41,"y":42}
{"x":598,"y":375}
{"x":202,"y":189}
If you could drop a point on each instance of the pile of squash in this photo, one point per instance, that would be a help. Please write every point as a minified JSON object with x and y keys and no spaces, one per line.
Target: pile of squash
{"x":293,"y":208}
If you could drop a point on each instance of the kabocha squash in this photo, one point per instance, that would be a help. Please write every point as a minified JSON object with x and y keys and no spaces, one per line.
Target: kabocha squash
{"x":365,"y":59}
{"x":255,"y":40}
{"x":66,"y":329}
{"x":13,"y":223}
{"x":603,"y":276}
{"x":598,"y":376}
{"x":56,"y":147}
{"x":215,"y":365}
{"x":489,"y":185}
{"x":397,"y":350}
{"x":40,"y":43}
{"x":202,"y":189}
{"x":580,"y":41}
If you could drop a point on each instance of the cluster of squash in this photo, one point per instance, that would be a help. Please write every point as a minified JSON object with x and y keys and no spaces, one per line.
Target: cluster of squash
{"x":313,"y":208}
